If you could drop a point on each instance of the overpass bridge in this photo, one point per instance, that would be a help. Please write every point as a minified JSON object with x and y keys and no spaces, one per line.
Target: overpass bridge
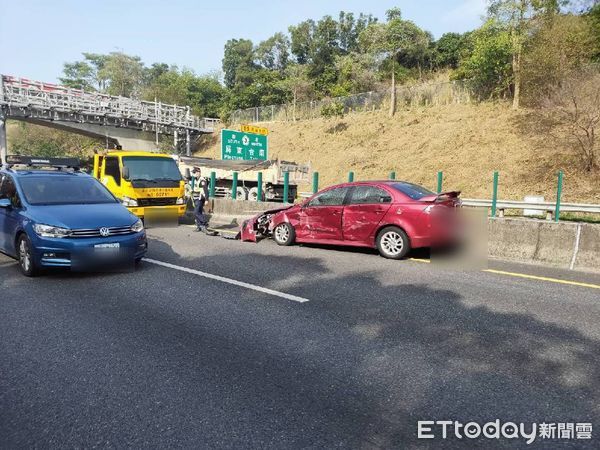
{"x":130,"y":123}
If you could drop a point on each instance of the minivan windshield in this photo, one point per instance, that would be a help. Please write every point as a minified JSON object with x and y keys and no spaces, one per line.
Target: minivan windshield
{"x":64,"y":190}
{"x":143,"y":168}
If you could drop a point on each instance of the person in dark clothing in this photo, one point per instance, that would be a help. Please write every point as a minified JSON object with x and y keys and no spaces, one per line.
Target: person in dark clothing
{"x":200,"y":195}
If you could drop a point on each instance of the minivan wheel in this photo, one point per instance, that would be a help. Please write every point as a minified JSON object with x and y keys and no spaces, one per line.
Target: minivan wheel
{"x":284,"y":234}
{"x":392,"y":243}
{"x":25,"y":256}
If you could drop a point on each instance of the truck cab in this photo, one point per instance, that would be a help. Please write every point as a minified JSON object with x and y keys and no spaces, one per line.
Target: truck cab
{"x":145,"y":182}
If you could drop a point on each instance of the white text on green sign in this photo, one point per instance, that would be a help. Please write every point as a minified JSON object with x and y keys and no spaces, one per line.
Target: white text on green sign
{"x":246,"y":146}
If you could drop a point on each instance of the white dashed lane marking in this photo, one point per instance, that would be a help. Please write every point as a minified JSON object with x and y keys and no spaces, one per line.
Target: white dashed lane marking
{"x":243,"y":284}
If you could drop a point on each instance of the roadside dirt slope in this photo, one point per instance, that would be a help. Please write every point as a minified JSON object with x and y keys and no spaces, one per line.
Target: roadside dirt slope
{"x":466,"y":142}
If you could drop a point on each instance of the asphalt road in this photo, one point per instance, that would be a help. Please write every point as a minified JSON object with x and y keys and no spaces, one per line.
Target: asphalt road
{"x":345,"y":349}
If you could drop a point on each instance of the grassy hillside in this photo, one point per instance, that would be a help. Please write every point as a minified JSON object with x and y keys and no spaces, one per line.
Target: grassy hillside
{"x":466,"y":142}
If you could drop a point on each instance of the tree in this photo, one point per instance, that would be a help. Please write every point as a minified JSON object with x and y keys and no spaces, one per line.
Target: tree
{"x":575,"y":104}
{"x":593,"y":15}
{"x":302,"y":41}
{"x":35,"y":140}
{"x":274,"y":53}
{"x":183,"y":87}
{"x":85,"y":74}
{"x":349,"y":29}
{"x":238,"y":62}
{"x":114,"y":74}
{"x":153,"y":73}
{"x":516,"y":16}
{"x":393,"y":40}
{"x":297,"y":82}
{"x":355,"y":74}
{"x":555,"y":49}
{"x":207,"y":94}
{"x":487,"y":64}
{"x":123,"y":74}
{"x":447,"y":50}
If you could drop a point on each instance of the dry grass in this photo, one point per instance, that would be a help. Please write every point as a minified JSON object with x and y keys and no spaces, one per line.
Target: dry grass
{"x":466,"y":142}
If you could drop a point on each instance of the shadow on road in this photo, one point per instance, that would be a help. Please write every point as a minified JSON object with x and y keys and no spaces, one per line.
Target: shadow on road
{"x":357,"y":366}
{"x":384,"y":356}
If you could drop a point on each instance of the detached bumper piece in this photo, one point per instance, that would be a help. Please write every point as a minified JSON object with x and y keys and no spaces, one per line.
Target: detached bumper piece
{"x":231,"y":231}
{"x":247,"y":233}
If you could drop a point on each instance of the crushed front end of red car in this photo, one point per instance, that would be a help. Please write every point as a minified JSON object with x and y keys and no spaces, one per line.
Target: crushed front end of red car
{"x":259,"y":226}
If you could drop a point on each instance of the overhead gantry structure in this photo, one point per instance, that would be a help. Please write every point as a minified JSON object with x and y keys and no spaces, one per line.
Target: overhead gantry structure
{"x":127,"y":122}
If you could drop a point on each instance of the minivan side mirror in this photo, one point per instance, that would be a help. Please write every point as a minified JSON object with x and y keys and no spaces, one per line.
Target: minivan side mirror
{"x":125,"y":173}
{"x":5,"y":203}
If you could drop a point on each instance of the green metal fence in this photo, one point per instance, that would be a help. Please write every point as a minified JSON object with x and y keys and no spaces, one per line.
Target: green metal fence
{"x":494,"y":206}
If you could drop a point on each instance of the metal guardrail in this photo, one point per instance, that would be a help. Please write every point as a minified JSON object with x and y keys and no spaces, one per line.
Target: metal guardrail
{"x":22,"y":96}
{"x":501,"y":205}
{"x":546,"y":207}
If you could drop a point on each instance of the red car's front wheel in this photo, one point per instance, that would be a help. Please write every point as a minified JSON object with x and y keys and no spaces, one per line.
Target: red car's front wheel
{"x":284,"y":234}
{"x":392,"y":242}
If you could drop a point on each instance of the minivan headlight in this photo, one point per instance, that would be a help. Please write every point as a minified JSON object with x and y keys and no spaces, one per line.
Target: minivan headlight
{"x":128,"y":201}
{"x":137,"y":227}
{"x":50,"y":231}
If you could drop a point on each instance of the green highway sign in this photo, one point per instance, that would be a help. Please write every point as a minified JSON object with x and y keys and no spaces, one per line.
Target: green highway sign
{"x":246,"y":146}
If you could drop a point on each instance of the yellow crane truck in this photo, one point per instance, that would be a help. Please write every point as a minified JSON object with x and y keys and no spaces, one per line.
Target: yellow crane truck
{"x":148,"y":184}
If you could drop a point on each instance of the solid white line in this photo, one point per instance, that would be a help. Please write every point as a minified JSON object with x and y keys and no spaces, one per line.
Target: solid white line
{"x":228,"y":280}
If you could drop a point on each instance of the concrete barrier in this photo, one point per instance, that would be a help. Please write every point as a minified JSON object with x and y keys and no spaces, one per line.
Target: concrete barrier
{"x":566,"y":245}
{"x":536,"y":241}
{"x":587,"y":256}
{"x":513,"y":239}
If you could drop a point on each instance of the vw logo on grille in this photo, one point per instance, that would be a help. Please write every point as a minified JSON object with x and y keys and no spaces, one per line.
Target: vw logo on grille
{"x":104,"y":232}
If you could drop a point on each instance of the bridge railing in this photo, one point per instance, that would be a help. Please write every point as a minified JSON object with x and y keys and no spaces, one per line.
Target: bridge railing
{"x":21,"y":92}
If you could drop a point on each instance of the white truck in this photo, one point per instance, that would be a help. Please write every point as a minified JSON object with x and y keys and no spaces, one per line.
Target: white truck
{"x":247,"y":176}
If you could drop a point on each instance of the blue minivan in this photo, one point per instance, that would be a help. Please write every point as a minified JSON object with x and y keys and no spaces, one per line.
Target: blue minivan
{"x":57,"y":216}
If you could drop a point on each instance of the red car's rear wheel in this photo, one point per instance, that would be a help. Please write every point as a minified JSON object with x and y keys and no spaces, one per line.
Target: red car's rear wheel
{"x":392,"y":242}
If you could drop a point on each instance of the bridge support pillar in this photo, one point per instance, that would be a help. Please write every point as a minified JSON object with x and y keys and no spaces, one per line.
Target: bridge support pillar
{"x":3,"y":149}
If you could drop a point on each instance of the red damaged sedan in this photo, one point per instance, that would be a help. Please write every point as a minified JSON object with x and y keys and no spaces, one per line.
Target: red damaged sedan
{"x":391,"y":216}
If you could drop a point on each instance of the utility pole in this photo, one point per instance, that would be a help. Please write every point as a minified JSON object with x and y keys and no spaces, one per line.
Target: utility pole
{"x":2,"y":138}
{"x":156,"y":120}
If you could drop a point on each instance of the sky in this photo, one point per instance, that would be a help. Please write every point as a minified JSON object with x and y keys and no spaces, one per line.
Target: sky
{"x":38,"y":36}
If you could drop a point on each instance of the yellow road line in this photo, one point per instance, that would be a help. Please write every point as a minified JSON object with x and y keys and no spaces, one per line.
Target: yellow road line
{"x":530,"y":277}
{"x":535,"y":277}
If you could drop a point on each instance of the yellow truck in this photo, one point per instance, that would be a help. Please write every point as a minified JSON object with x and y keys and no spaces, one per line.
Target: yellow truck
{"x":148,"y":184}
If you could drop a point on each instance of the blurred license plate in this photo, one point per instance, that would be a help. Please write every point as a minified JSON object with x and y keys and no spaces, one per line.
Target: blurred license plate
{"x":160,"y":217}
{"x":109,"y":246}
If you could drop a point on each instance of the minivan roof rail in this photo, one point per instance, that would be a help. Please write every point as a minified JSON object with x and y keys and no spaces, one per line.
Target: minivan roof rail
{"x":36,"y":161}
